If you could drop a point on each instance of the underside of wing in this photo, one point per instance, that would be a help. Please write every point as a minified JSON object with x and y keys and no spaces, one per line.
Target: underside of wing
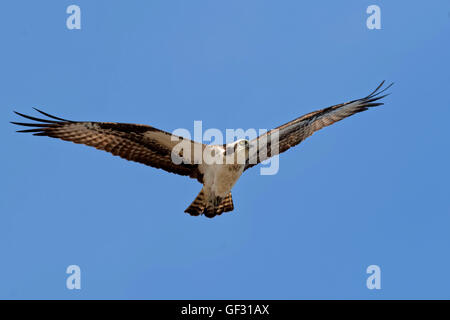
{"x":292,"y":133}
{"x":134,"y":142}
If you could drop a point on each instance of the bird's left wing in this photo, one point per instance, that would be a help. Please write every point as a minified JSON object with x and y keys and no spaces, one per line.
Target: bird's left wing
{"x":134,"y":142}
{"x":292,"y":133}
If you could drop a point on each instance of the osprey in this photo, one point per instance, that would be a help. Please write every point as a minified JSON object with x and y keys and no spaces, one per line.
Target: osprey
{"x":158,"y":149}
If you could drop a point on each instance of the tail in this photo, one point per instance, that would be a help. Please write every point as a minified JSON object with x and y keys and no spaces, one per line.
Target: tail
{"x":197,"y":206}
{"x":200,"y":206}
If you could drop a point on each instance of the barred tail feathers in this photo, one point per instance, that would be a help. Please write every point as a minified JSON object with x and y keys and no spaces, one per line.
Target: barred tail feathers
{"x":201,"y":206}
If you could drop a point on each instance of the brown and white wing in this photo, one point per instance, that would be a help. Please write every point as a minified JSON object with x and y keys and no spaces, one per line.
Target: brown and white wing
{"x":134,"y":142}
{"x":292,"y":133}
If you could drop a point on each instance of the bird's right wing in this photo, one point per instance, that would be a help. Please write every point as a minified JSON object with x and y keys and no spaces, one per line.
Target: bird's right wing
{"x":134,"y":142}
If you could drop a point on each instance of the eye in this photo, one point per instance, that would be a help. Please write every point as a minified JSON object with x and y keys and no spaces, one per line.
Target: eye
{"x":242,"y":143}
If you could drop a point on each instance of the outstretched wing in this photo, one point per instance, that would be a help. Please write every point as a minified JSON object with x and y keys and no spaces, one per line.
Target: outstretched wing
{"x":292,"y":133}
{"x":134,"y":142}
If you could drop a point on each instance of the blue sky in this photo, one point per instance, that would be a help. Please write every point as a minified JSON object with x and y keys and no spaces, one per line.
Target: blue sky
{"x":372,"y":189}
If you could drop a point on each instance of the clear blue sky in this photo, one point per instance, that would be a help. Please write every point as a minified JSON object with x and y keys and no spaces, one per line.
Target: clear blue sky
{"x":372,"y":189}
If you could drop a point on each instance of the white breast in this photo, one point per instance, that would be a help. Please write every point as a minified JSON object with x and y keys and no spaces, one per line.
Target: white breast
{"x":219,"y":178}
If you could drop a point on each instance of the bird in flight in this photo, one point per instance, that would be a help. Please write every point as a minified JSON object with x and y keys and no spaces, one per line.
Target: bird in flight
{"x":160,"y":149}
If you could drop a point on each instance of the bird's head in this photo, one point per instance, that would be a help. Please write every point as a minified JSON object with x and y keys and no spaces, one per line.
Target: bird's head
{"x":241,"y":150}
{"x":242,"y":144}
